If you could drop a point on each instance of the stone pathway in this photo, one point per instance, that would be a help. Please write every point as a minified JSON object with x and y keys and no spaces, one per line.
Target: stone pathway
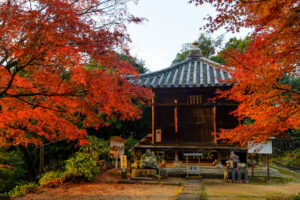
{"x":192,"y":190}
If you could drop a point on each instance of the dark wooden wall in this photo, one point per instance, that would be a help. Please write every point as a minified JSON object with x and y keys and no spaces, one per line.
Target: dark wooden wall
{"x":195,"y":118}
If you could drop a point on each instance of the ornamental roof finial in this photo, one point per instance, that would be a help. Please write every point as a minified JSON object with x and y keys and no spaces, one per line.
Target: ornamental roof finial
{"x":195,"y":52}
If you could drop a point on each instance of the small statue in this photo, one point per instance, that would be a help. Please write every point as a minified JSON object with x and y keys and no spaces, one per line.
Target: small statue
{"x":234,"y":169}
{"x":242,"y":169}
{"x":235,"y":158}
{"x":231,"y":167}
{"x":148,"y":160}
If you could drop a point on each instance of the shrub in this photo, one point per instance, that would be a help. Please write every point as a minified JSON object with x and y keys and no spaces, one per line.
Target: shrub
{"x":22,"y":190}
{"x":294,"y":163}
{"x":96,"y":148}
{"x":15,"y":192}
{"x":295,"y":159}
{"x":52,"y":179}
{"x":283,"y":197}
{"x":295,"y":196}
{"x":12,"y":169}
{"x":84,"y":162}
{"x":130,"y":142}
{"x":82,"y":165}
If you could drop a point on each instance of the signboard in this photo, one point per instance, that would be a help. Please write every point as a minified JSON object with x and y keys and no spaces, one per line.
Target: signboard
{"x":124,"y":162}
{"x":158,"y":135}
{"x":192,"y":154}
{"x":260,"y":148}
{"x":116,"y":148}
{"x":193,"y":170}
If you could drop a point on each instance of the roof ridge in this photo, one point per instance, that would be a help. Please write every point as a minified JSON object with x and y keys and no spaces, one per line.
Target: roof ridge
{"x":168,"y":68}
{"x":192,"y":72}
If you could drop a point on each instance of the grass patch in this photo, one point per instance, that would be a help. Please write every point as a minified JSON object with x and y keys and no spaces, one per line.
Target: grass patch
{"x":279,"y":196}
{"x":178,"y":192}
{"x":288,"y":159}
{"x":261,"y":180}
{"x":284,"y":171}
{"x":203,"y":195}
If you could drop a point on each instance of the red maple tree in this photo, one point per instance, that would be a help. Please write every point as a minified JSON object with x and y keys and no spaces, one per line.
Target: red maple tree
{"x":50,"y":86}
{"x":261,"y":74}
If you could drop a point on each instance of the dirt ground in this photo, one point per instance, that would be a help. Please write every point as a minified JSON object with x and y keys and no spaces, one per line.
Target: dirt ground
{"x":105,"y":188}
{"x":216,"y":189}
{"x":102,"y":191}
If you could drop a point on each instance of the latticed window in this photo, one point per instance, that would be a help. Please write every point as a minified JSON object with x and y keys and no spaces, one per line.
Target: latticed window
{"x":194,"y":99}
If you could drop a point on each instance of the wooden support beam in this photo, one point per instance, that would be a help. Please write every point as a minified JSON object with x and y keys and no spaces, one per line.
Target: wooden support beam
{"x":135,"y":158}
{"x":215,"y":124}
{"x":268,"y":166}
{"x":219,"y":156}
{"x":252,"y":167}
{"x":153,"y":127}
{"x":194,"y":105}
{"x":176,"y":116}
{"x":176,"y":121}
{"x":176,"y":156}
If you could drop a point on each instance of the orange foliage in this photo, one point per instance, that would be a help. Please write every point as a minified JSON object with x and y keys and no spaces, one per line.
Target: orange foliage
{"x":45,"y":86}
{"x":257,"y":72}
{"x":6,"y":166}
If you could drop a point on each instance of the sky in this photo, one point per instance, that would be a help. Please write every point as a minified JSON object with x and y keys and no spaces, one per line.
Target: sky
{"x":169,"y":25}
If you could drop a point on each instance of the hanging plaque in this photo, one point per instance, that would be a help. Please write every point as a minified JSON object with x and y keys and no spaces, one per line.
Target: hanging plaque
{"x":263,"y":148}
{"x":158,"y":135}
{"x":124,"y":162}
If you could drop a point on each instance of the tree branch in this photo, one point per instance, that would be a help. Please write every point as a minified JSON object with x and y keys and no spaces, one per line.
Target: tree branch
{"x":256,"y":1}
{"x":13,"y":77}
{"x":287,"y":90}
{"x":36,"y":105}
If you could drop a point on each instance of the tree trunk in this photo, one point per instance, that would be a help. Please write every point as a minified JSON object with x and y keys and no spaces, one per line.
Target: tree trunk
{"x":29,"y":162}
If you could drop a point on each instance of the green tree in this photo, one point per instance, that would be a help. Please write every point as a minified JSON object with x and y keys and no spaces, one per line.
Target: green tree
{"x":233,"y":44}
{"x":209,"y":46}
{"x":137,"y":63}
{"x":12,"y":169}
{"x":205,"y":43}
{"x":239,"y":44}
{"x":138,"y":128}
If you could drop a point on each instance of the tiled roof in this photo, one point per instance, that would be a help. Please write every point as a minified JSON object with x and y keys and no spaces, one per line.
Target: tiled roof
{"x":117,"y":138}
{"x":192,"y":72}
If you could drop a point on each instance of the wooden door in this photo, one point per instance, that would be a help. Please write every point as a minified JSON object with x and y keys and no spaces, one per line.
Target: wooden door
{"x":196,"y":124}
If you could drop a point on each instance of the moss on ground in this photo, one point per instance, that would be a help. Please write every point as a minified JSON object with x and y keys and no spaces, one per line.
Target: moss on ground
{"x":261,"y":180}
{"x":293,"y":175}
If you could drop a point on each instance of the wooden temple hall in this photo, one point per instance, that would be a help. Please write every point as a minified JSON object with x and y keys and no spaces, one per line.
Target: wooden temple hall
{"x":183,"y":117}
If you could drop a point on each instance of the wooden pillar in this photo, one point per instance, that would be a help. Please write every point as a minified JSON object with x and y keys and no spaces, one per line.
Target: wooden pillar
{"x":264,"y":160}
{"x":176,"y":156}
{"x":153,"y":127}
{"x":252,"y":166}
{"x":135,"y":158}
{"x":176,"y":120}
{"x":268,"y":167}
{"x":176,"y":116}
{"x":215,"y":124}
{"x":219,"y":156}
{"x":116,"y":163}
